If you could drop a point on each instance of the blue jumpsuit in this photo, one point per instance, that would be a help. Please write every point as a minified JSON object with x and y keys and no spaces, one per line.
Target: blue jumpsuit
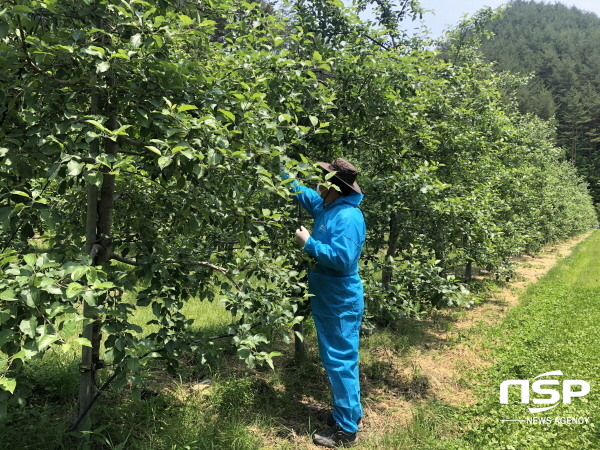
{"x":337,"y":295}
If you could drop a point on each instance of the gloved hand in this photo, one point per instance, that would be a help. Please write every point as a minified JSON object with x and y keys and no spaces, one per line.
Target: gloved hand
{"x":302,"y":236}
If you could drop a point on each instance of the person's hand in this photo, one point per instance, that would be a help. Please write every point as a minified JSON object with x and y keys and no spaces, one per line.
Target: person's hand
{"x":302,"y":236}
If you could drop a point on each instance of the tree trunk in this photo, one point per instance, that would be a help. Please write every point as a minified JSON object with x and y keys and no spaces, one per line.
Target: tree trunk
{"x":107,"y":198}
{"x":469,"y":272}
{"x":98,"y":244}
{"x":87,"y":382}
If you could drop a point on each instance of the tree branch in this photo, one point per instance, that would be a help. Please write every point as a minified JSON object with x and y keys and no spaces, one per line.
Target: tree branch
{"x":223,"y":270}
{"x":125,"y":152}
{"x":122,"y":259}
{"x":35,"y":67}
{"x":220,"y":269}
{"x":375,"y":41}
{"x":62,"y":339}
{"x":126,"y":140}
{"x":211,"y":266}
{"x":95,"y":249}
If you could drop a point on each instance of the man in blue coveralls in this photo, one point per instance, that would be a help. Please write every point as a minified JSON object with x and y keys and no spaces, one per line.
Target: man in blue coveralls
{"x":337,"y":293}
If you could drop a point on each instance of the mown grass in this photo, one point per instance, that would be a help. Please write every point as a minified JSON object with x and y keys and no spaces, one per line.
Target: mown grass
{"x":243,"y":409}
{"x":554,"y":328}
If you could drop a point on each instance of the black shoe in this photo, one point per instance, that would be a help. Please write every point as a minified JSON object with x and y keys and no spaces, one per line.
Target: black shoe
{"x":335,"y":437}
{"x":330,"y":421}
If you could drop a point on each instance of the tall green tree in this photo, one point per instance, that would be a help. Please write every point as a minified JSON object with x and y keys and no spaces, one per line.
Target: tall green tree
{"x":130,"y":134}
{"x":557,"y":45}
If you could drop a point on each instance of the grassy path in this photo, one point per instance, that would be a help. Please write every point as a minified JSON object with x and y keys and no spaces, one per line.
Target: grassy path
{"x":556,"y":327}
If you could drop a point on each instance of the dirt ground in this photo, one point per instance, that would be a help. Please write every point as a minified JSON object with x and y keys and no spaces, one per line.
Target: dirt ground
{"x":434,"y":368}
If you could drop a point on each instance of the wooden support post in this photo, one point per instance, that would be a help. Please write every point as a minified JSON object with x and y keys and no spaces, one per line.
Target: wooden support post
{"x":87,"y":382}
{"x":469,"y":272}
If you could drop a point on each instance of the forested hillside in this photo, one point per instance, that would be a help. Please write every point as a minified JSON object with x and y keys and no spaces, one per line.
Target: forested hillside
{"x":559,"y":46}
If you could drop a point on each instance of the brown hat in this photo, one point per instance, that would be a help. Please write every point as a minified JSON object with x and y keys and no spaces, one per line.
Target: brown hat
{"x":344,"y":171}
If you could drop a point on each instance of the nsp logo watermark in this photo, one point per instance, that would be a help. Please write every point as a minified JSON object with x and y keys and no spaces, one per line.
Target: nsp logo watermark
{"x":537,"y":386}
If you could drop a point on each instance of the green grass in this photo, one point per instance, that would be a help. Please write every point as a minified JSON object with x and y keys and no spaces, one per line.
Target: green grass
{"x":555,"y":327}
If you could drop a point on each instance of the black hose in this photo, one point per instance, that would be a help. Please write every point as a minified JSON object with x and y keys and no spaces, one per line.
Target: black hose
{"x":100,"y":391}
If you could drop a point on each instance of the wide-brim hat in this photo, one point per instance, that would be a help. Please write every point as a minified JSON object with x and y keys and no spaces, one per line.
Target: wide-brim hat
{"x":344,"y":172}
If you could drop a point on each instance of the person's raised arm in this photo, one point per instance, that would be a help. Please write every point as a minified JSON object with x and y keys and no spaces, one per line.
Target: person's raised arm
{"x":308,"y":198}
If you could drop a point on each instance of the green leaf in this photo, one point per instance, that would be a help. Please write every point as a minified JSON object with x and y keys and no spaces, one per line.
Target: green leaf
{"x":21,"y":193}
{"x":8,"y":295}
{"x":4,"y":316}
{"x":94,"y":51}
{"x":3,"y":29}
{"x":186,"y":20}
{"x":73,"y":290}
{"x":133,"y":364}
{"x":136,"y":394}
{"x":92,"y":274}
{"x":227,"y":114}
{"x":98,"y":125}
{"x":153,"y":149}
{"x":102,"y":67}
{"x":5,"y":212}
{"x":164,"y":161}
{"x":95,"y":178}
{"x":79,"y":272}
{"x":31,"y":349}
{"x":243,"y":353}
{"x":74,"y":168}
{"x":189,"y":154}
{"x":136,"y":40}
{"x":6,"y":335}
{"x":207,"y":23}
{"x":100,"y":50}
{"x":19,"y":355}
{"x":45,"y":341}
{"x":82,"y":341}
{"x":135,"y":328}
{"x":49,"y":286}
{"x":103,"y":285}
{"x":314,"y":120}
{"x":22,"y":8}
{"x":28,"y":326}
{"x":8,"y":384}
{"x":186,"y":108}
{"x":30,"y":259}
{"x":89,"y":297}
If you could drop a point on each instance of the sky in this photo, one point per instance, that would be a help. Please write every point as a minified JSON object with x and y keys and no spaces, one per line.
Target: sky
{"x":446,"y":13}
